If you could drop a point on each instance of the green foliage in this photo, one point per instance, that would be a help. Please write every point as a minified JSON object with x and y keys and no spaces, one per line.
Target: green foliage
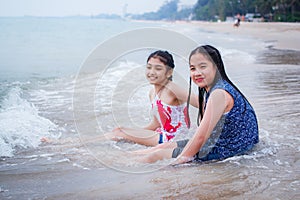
{"x":168,"y":11}
{"x":212,"y":10}
{"x":271,"y":10}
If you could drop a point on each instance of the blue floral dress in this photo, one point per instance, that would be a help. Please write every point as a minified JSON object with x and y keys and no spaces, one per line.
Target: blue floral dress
{"x":236,"y":131}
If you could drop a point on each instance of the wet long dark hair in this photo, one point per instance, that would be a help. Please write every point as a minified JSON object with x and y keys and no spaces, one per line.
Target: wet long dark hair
{"x":164,"y":57}
{"x":214,"y":56}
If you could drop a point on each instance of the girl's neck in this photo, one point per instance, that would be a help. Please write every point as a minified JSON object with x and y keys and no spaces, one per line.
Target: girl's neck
{"x":208,"y":88}
{"x":159,"y":87}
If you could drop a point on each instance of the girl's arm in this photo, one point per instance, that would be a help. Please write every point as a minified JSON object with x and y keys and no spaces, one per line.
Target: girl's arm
{"x":218,"y":103}
{"x":194,"y":100}
{"x":153,"y":125}
{"x":183,"y":94}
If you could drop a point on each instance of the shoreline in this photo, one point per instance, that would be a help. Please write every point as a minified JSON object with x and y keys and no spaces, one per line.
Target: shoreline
{"x":281,"y":39}
{"x":284,"y":36}
{"x":281,"y":35}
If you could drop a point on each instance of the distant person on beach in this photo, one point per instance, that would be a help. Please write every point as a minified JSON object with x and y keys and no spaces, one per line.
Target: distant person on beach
{"x":169,"y":110}
{"x":227,"y":122}
{"x":237,"y":22}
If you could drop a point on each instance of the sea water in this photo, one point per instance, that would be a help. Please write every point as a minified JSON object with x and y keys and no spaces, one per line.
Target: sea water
{"x":40,"y":62}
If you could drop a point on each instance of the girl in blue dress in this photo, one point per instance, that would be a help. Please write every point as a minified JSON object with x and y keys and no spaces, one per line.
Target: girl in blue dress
{"x":227,"y":122}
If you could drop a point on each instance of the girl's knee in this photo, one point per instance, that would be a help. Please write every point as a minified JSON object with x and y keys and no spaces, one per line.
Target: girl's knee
{"x":167,"y":145}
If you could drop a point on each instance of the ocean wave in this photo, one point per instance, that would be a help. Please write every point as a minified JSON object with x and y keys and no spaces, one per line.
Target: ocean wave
{"x":231,"y":55}
{"x":21,"y":126}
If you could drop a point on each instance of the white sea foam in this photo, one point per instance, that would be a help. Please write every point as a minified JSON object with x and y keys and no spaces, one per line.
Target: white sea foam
{"x":232,"y":55}
{"x":21,"y":126}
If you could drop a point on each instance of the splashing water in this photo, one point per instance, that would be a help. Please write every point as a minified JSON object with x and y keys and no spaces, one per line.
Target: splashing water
{"x":21,"y":126}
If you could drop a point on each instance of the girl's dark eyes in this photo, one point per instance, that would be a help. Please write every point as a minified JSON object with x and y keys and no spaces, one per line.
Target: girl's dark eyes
{"x":156,"y":68}
{"x":200,"y":67}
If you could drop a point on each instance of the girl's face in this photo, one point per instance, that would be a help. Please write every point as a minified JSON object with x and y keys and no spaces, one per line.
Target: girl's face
{"x":202,"y":71}
{"x":157,"y":72}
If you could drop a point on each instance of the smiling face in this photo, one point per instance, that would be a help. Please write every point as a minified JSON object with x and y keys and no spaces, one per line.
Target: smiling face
{"x":157,"y":72}
{"x":202,"y":71}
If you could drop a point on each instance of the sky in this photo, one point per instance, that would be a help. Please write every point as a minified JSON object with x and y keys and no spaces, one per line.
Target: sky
{"x":79,"y":7}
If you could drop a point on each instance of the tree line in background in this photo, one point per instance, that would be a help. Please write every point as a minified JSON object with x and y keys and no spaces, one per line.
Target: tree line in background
{"x":215,"y":10}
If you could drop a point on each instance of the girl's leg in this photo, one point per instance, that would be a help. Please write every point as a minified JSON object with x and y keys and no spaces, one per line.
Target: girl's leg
{"x":140,"y":136}
{"x":166,"y":145}
{"x":159,"y":154}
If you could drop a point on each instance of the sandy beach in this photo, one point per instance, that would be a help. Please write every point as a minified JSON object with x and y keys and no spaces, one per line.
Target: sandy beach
{"x":285,"y":35}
